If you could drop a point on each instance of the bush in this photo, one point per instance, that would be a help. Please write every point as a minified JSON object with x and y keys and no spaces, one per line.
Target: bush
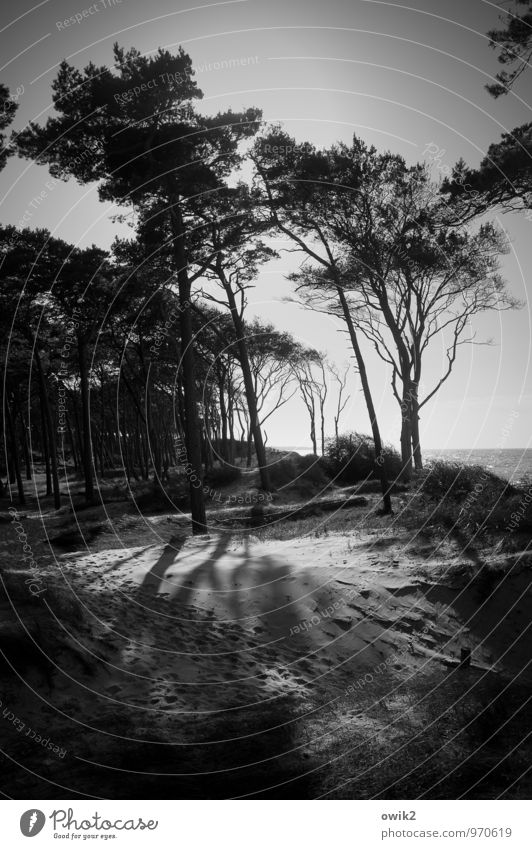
{"x":223,"y":475}
{"x":305,"y":473}
{"x":313,"y":470}
{"x":351,"y":458}
{"x":469,"y":499}
{"x":512,"y":513}
{"x":443,"y":479}
{"x":283,"y":472}
{"x":174,"y":494}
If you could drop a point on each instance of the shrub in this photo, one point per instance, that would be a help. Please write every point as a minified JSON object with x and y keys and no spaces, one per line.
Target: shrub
{"x":351,"y":458}
{"x":174,"y":494}
{"x":513,"y":514}
{"x":455,"y":481}
{"x":304,"y":473}
{"x":470,"y":499}
{"x":313,"y":470}
{"x":223,"y":475}
{"x":283,"y":472}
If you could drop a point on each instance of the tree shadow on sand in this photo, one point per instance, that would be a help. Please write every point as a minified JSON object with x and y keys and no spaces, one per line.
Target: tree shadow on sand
{"x":248,"y":587}
{"x":249,"y":747}
{"x":153,"y":579}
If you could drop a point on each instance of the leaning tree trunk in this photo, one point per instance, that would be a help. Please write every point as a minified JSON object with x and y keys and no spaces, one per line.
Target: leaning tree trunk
{"x":86,"y":418}
{"x":249,"y":388}
{"x":379,"y":453}
{"x":192,"y":428}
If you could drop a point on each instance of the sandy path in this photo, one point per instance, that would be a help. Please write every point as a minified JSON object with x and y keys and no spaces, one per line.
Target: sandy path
{"x":238,"y":621}
{"x":233,"y":650}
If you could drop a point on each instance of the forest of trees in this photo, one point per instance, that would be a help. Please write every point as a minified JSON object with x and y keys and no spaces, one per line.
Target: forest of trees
{"x":145,"y":358}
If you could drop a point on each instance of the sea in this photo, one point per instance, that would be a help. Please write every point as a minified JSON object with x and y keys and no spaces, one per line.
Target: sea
{"x":514,"y":464}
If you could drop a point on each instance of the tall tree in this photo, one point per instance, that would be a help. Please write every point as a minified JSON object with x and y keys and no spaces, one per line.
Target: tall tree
{"x":232,"y":232}
{"x":296,"y":186}
{"x":342,"y":398}
{"x":310,"y":372}
{"x":410,"y":274}
{"x":140,"y":135}
{"x":31,"y":260}
{"x":84,"y":291}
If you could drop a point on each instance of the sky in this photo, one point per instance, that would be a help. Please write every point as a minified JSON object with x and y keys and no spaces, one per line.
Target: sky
{"x":405,"y":77}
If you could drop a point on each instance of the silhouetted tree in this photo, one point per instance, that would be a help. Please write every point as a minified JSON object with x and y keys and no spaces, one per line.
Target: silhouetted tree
{"x":514,"y":45}
{"x":295,"y":186}
{"x":136,"y":130}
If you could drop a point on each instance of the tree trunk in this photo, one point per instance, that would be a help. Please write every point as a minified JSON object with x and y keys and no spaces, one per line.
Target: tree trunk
{"x":249,"y":388}
{"x":416,"y":444}
{"x":192,"y":430}
{"x":86,"y":418}
{"x":406,"y":448}
{"x":11,"y":476}
{"x":231,"y":423}
{"x":77,"y":433}
{"x":223,"y":416}
{"x":123,"y":448}
{"x":139,"y":452}
{"x":379,"y":454}
{"x":52,"y":449}
{"x":406,"y":431}
{"x":73,"y":448}
{"x":249,"y":456}
{"x":209,"y":460}
{"x":26,"y":447}
{"x":406,"y":365}
{"x":145,"y":457}
{"x":416,"y":447}
{"x":15,"y":459}
{"x":313,"y":434}
{"x":45,"y":453}
{"x":154,"y":447}
{"x":102,"y":426}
